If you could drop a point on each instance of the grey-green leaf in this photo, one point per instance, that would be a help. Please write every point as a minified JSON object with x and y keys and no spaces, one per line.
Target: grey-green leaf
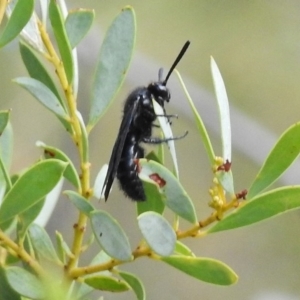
{"x":42,"y":243}
{"x":114,"y":59}
{"x":175,"y":196}
{"x":135,"y":283}
{"x":260,"y":208}
{"x":43,"y":94}
{"x":80,"y":202}
{"x":6,"y":290}
{"x":205,"y":269}
{"x":37,"y":70}
{"x":280,"y":158}
{"x":110,"y":235}
{"x":157,"y":232}
{"x":18,"y":19}
{"x":59,"y":30}
{"x":24,"y":283}
{"x":78,"y":24}
{"x":31,"y":187}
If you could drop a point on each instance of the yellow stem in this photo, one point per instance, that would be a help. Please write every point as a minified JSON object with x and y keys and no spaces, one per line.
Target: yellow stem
{"x":79,"y":228}
{"x":21,"y":253}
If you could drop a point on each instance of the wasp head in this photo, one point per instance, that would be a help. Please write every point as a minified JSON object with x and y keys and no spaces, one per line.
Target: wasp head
{"x":159,"y":92}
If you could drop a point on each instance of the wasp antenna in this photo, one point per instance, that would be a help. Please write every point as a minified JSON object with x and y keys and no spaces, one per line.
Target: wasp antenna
{"x":177,"y":60}
{"x":160,"y":74}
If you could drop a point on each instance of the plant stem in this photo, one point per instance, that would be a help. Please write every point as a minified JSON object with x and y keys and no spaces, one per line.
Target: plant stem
{"x":21,"y":252}
{"x":79,"y":228}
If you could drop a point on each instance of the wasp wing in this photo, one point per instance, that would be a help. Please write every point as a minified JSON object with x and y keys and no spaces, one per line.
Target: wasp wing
{"x":118,"y":148}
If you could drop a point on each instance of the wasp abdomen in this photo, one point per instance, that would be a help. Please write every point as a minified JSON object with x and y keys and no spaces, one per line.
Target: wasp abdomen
{"x":127,"y":172}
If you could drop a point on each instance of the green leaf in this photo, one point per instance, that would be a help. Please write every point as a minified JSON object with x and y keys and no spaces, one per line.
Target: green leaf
{"x":135,"y":284}
{"x":223,"y":106}
{"x":6,"y":291}
{"x":42,"y":243}
{"x":199,"y":122}
{"x":182,"y":249}
{"x":61,"y":37}
{"x":280,"y":158}
{"x":28,"y":216}
{"x":84,"y":138}
{"x":43,"y":94}
{"x":70,"y":172}
{"x":157,"y":232}
{"x":78,"y":24}
{"x":24,"y":283}
{"x":114,"y":59}
{"x":6,"y":152}
{"x":107,"y":283}
{"x":31,"y":187}
{"x":260,"y":208}
{"x":18,"y":19}
{"x":205,"y":269}
{"x":175,"y":196}
{"x":154,"y":199}
{"x":37,"y":70}
{"x":110,"y":235}
{"x":100,"y":258}
{"x":6,"y":145}
{"x":80,"y":202}
{"x":4,"y":118}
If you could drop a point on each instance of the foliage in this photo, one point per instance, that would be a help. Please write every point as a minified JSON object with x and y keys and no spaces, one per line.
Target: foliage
{"x":23,"y":195}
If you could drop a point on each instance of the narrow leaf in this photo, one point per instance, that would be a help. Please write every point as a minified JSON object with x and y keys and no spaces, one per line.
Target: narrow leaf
{"x":157,"y":232}
{"x":60,"y":34}
{"x":42,"y":243}
{"x":280,"y":158}
{"x":18,"y":19}
{"x":260,"y":208}
{"x":99,"y":182}
{"x":110,"y":235}
{"x":199,"y":122}
{"x":37,"y":70}
{"x":24,"y":283}
{"x":107,"y":283}
{"x":31,"y":187}
{"x":135,"y":284}
{"x":77,"y":24}
{"x":205,"y":269}
{"x":114,"y":59}
{"x":175,"y":196}
{"x":223,"y":106}
{"x":43,"y":94}
{"x":167,"y":131}
{"x":4,"y":118}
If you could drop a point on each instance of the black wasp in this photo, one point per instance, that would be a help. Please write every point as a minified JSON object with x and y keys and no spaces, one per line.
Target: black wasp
{"x":136,"y":127}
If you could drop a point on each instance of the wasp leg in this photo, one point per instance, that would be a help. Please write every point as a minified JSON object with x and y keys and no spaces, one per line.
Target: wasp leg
{"x":155,"y":140}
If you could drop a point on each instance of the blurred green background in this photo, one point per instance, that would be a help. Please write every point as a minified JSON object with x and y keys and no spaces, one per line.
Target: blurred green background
{"x":256,"y":45}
